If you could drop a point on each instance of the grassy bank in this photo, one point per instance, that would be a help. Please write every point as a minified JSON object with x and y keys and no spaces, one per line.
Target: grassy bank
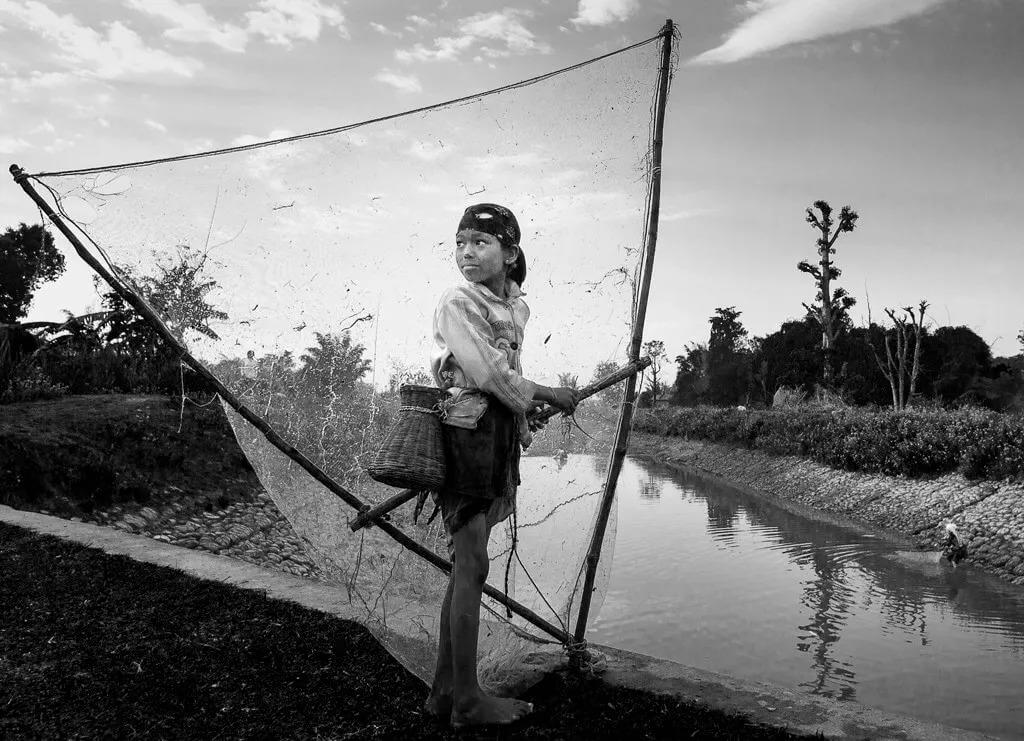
{"x":99,"y":646}
{"x":978,"y":444}
{"x":76,"y":454}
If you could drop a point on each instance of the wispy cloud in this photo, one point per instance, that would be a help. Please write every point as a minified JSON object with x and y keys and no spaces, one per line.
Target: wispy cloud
{"x":384,"y":30}
{"x":246,"y":139}
{"x":117,"y":53}
{"x":284,"y":21}
{"x":402,"y":82}
{"x":155,"y":125}
{"x":604,"y":12}
{"x":277,"y":21}
{"x":429,"y":151}
{"x":475,"y":32}
{"x":192,"y":24}
{"x":12,"y":144}
{"x":772,"y":24}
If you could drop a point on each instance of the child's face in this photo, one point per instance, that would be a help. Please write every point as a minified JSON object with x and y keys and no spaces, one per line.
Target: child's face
{"x":481,"y":257}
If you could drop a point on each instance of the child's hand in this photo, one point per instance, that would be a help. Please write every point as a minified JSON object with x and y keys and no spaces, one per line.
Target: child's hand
{"x":564,"y":399}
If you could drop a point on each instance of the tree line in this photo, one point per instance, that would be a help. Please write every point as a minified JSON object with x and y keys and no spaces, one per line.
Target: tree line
{"x":905,"y":361}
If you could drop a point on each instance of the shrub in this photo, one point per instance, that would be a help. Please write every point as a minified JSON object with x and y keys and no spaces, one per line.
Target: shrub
{"x":28,"y":382}
{"x":915,"y":442}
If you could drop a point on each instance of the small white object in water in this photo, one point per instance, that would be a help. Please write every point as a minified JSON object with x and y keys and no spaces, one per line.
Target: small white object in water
{"x":953,"y":549}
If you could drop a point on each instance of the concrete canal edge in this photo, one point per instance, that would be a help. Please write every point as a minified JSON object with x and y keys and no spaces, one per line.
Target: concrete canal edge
{"x":989,"y":514}
{"x":761,"y":702}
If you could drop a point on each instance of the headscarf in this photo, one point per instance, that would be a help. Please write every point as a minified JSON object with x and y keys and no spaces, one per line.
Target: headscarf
{"x":499,"y":222}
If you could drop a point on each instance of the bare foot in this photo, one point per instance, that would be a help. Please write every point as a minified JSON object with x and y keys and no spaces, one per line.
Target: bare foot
{"x":439,"y":705}
{"x":487,"y":710}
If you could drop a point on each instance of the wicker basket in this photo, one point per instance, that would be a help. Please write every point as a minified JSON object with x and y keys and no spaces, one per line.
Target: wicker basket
{"x":412,"y":454}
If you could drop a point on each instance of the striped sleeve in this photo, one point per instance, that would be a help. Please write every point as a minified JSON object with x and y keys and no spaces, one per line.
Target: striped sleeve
{"x":467,"y":334}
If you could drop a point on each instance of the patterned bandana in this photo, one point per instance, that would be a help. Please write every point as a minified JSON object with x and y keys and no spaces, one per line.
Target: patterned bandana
{"x":499,"y":222}
{"x":493,"y":219}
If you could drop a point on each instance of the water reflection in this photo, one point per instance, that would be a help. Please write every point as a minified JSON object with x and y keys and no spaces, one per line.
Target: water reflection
{"x":718,"y":578}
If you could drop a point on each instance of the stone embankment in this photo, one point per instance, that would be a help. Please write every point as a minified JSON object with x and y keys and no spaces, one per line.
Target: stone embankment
{"x":253,"y":531}
{"x":988,"y":514}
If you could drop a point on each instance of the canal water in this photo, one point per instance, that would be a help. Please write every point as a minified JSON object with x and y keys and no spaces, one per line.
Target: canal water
{"x":719,"y":579}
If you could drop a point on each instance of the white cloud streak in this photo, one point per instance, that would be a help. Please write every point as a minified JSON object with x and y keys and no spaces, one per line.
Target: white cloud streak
{"x":192,"y":24}
{"x":504,"y":27}
{"x":155,"y":125}
{"x":12,"y":144}
{"x":604,"y":12}
{"x":384,"y":30}
{"x":118,"y":53}
{"x":279,"y":22}
{"x":401,"y":82}
{"x":284,"y":21}
{"x":773,"y":24}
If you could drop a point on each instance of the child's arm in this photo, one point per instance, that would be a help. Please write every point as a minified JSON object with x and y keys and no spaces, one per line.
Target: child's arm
{"x":466,"y":334}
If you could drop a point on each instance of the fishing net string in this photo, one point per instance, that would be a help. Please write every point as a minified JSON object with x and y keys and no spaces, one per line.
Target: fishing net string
{"x":352,"y":126}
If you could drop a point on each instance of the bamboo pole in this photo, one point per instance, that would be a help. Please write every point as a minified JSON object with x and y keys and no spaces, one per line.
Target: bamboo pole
{"x":618,"y":452}
{"x":22,"y":179}
{"x":371,"y":515}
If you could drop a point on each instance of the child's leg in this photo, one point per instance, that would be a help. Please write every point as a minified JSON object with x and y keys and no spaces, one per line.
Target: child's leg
{"x":470,"y":705}
{"x":439,"y":702}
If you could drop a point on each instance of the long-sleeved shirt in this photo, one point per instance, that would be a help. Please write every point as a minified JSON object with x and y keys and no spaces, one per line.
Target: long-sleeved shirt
{"x":479,"y":340}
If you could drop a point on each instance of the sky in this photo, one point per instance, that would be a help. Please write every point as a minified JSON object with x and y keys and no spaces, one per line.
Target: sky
{"x":910,"y":111}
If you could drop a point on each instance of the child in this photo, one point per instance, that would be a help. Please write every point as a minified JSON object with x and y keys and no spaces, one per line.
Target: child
{"x":478,"y":327}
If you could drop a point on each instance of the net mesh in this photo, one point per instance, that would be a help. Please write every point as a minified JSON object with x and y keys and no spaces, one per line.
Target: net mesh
{"x":303,"y":274}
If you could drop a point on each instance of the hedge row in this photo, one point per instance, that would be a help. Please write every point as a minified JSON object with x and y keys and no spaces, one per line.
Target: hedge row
{"x":979,"y":444}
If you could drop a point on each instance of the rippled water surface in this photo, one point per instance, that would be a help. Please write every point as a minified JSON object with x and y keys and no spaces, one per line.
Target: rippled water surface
{"x":718,"y":579}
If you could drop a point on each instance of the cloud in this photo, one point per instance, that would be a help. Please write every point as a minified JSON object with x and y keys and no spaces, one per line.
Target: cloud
{"x":504,"y":27}
{"x":12,"y":144}
{"x":402,"y":82}
{"x":604,"y":12}
{"x":284,"y":21}
{"x":418,"y":20}
{"x":384,"y":30}
{"x":246,"y":139}
{"x":192,"y":24}
{"x":155,"y":125}
{"x":429,"y":151}
{"x":773,"y":24}
{"x":118,"y":53}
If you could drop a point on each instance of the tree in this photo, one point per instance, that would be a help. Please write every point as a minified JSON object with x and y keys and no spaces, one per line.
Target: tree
{"x":728,"y":358}
{"x":655,"y":350}
{"x":789,"y":356}
{"x":831,"y":310}
{"x":612,"y":394}
{"x":28,"y":258}
{"x":691,"y":384}
{"x":900,"y":370}
{"x":953,"y":361}
{"x":1020,"y":339}
{"x":178,"y":292}
{"x":332,"y":367}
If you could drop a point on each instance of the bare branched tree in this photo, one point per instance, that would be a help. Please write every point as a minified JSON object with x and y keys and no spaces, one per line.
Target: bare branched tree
{"x":900,"y":370}
{"x":831,"y":306}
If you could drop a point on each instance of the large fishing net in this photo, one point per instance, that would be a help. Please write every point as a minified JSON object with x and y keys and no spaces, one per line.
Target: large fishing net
{"x":303,"y":273}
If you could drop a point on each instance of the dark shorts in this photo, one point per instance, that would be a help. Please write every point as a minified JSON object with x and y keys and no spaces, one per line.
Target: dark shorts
{"x":482,"y":468}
